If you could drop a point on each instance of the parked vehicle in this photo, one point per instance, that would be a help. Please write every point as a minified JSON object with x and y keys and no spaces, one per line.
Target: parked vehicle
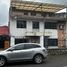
{"x":23,"y":51}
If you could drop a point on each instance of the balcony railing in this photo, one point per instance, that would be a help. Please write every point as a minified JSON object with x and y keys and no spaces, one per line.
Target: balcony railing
{"x":47,"y":17}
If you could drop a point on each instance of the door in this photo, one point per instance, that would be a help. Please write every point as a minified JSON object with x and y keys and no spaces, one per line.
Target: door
{"x":28,"y":51}
{"x":15,"y":53}
{"x":1,"y":42}
{"x":27,"y":54}
{"x":20,"y":52}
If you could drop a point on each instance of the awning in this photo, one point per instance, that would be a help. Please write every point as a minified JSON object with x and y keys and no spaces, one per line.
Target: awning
{"x":36,"y":6}
{"x":62,"y":11}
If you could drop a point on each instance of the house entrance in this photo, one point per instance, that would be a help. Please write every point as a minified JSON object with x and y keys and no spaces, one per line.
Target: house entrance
{"x":1,"y":42}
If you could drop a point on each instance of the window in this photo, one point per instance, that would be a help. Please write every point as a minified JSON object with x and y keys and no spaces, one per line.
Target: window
{"x":33,"y":14}
{"x":29,"y":46}
{"x":21,"y":24}
{"x":50,"y":25}
{"x":19,"y":47}
{"x":35,"y":25}
{"x":36,"y":46}
{"x":25,"y":13}
{"x":43,"y":14}
{"x":52,"y":42}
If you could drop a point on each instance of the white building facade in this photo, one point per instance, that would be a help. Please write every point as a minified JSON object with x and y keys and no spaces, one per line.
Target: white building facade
{"x":36,"y":27}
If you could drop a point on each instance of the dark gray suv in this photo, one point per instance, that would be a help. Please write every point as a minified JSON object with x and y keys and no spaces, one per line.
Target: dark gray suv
{"x":23,"y":51}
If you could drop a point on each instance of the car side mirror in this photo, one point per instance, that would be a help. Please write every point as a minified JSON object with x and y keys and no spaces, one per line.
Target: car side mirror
{"x":10,"y":49}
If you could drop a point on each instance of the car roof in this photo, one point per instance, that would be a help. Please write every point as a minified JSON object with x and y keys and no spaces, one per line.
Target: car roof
{"x":26,"y":43}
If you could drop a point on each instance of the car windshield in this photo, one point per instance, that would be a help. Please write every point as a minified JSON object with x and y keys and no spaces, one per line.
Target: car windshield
{"x":16,"y":47}
{"x":9,"y":48}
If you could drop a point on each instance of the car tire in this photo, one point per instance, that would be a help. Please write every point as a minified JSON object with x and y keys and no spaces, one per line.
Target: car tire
{"x":2,"y":61}
{"x":38,"y":59}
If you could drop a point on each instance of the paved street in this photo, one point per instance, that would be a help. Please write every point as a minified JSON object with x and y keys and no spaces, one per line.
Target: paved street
{"x":53,"y":61}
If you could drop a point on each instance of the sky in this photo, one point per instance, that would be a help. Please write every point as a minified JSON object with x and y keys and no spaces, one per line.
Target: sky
{"x":51,"y":1}
{"x":4,"y":12}
{"x":4,"y":8}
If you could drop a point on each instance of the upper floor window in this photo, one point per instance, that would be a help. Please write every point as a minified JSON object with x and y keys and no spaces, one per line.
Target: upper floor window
{"x":25,"y":13}
{"x":35,"y":25}
{"x":43,"y":14}
{"x":47,"y":14}
{"x":19,"y":47}
{"x":33,"y":14}
{"x":50,"y":25}
{"x":21,"y":24}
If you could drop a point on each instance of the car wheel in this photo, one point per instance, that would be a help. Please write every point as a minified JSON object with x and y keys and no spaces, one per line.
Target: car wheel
{"x":2,"y":61}
{"x":38,"y":59}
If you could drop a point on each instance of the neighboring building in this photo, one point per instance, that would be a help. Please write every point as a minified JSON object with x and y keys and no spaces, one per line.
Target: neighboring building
{"x":4,"y":37}
{"x":4,"y":30}
{"x":37,"y":23}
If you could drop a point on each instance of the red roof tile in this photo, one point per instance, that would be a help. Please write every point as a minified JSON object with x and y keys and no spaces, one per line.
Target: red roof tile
{"x":4,"y":30}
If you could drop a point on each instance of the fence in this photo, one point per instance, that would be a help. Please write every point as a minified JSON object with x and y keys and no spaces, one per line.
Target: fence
{"x":57,"y":51}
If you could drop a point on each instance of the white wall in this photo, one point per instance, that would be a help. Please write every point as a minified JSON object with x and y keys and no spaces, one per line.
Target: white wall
{"x":12,"y":41}
{"x":53,"y":33}
{"x":42,"y":41}
{"x":20,"y":32}
{"x":14,"y":31}
{"x":41,"y":25}
{"x":29,"y":26}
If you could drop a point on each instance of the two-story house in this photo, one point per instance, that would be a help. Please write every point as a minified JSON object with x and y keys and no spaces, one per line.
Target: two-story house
{"x":37,"y":23}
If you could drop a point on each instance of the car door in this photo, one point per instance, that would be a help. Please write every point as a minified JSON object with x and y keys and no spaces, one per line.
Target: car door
{"x":16,"y":53}
{"x":28,"y":51}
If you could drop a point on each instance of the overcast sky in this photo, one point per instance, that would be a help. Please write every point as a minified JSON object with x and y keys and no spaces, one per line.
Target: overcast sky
{"x":4,"y":8}
{"x":51,"y":1}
